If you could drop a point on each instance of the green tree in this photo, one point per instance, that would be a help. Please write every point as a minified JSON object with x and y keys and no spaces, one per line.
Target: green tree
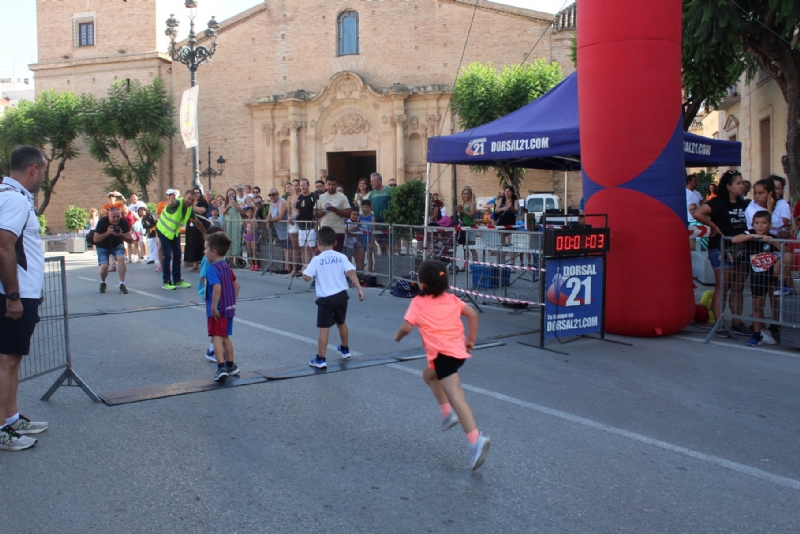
{"x":483,"y":94}
{"x":764,"y":31}
{"x":407,"y":205}
{"x":127,"y":132}
{"x":51,"y":123}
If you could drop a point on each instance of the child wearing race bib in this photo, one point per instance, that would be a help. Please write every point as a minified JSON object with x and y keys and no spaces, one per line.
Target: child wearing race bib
{"x":762,"y":258}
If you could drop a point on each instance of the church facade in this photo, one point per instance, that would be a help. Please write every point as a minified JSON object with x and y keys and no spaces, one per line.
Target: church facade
{"x":352,"y":86}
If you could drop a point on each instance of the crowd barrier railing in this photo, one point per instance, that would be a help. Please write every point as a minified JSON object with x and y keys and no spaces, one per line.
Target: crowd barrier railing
{"x":759,"y":288}
{"x":367,"y":245}
{"x":50,"y":350}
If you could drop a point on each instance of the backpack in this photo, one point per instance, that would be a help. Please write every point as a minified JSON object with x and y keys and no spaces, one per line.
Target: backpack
{"x":405,"y":290}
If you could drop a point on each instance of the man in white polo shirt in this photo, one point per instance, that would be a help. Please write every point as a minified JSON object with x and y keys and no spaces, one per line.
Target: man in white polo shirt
{"x":21,"y":281}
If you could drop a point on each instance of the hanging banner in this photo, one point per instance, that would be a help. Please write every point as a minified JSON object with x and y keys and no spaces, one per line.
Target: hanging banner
{"x":188,"y":117}
{"x":574,"y":292}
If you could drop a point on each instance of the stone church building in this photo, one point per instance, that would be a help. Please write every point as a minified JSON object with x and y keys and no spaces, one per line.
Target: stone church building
{"x":353,"y":86}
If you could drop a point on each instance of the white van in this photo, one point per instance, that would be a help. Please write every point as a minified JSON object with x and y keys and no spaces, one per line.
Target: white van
{"x":539,"y":201}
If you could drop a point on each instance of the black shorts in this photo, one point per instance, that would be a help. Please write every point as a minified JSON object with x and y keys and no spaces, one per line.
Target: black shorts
{"x":446,"y":365}
{"x":15,"y":336}
{"x":332,"y":310}
{"x":762,"y":284}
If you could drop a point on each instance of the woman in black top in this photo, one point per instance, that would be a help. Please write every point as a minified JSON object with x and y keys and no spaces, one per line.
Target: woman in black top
{"x":725,"y":215}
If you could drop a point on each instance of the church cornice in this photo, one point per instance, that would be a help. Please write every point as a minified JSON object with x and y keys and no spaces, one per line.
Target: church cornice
{"x":485,"y":5}
{"x":103,"y":60}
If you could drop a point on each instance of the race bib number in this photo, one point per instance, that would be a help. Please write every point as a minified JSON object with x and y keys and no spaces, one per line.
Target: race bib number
{"x":762,"y":262}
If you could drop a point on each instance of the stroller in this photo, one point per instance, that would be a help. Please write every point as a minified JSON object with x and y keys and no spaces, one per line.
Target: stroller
{"x":442,"y":243}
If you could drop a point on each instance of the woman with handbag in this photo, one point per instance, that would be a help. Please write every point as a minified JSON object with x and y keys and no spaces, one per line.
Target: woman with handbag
{"x":725,"y":215}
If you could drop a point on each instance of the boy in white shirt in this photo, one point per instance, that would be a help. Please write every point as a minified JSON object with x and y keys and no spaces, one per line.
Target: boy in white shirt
{"x":328,"y":268}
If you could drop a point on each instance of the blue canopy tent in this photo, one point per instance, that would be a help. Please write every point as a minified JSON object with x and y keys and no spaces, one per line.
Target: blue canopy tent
{"x":545,"y":135}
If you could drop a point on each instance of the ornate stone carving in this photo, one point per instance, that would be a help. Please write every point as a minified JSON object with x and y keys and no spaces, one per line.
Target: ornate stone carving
{"x":321,"y":108}
{"x":269,"y":131}
{"x":376,"y":105}
{"x":413,"y":123}
{"x":385,"y":119}
{"x":284,"y":131}
{"x":433,"y":121}
{"x":313,"y":124}
{"x":332,"y":99}
{"x":348,"y":87}
{"x":363,"y":97}
{"x":398,"y":119}
{"x":295,"y":125}
{"x":351,"y":123}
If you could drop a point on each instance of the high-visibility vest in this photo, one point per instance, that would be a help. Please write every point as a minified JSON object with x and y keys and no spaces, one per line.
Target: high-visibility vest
{"x":170,"y":224}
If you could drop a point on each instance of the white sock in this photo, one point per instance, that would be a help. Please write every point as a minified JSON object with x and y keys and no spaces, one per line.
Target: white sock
{"x":13,"y":419}
{"x":210,"y":347}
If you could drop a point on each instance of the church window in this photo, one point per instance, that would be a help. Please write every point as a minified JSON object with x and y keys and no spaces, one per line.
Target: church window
{"x":348,"y":33}
{"x":86,"y":34}
{"x":83,"y":30}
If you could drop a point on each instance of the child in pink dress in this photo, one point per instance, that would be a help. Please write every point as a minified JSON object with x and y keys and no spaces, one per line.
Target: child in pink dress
{"x":437,"y":314}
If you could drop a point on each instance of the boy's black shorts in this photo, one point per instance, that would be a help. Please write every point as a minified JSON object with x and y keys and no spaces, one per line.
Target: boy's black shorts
{"x":446,"y":365}
{"x":15,"y":336}
{"x":332,"y":310}
{"x":762,"y":283}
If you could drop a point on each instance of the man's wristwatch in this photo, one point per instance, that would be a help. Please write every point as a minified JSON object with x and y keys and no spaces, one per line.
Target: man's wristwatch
{"x":13,"y":296}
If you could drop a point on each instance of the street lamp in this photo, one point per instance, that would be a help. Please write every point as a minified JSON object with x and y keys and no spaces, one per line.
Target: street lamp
{"x":192,"y":56}
{"x":212,"y":173}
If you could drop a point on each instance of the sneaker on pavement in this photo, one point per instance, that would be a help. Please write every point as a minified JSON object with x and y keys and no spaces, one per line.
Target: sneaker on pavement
{"x":754,"y":341}
{"x":767,"y":339}
{"x":10,"y":440}
{"x":182,"y":284}
{"x":722,"y":332}
{"x":742,"y":330}
{"x":210,"y":356}
{"x":151,"y":262}
{"x":168,"y":286}
{"x":343,"y":354}
{"x":123,"y":289}
{"x":479,"y":451}
{"x":232,"y":371}
{"x":103,"y":287}
{"x":26,"y":426}
{"x":158,"y":269}
{"x":450,"y":421}
{"x":318,"y":362}
{"x":783,"y":289}
{"x":221,"y":374}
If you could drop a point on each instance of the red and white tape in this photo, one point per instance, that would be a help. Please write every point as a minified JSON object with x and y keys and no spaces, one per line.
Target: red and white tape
{"x":699,"y":231}
{"x":495,"y":297}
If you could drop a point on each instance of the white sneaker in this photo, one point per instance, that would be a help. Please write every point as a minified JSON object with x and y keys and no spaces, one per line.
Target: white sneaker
{"x":479,"y":451}
{"x":12,"y":441}
{"x":26,"y":426}
{"x":767,"y":339}
{"x":450,"y":421}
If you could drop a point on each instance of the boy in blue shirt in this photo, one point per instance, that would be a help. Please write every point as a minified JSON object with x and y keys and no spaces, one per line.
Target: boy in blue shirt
{"x":221,"y":295}
{"x":201,"y":290}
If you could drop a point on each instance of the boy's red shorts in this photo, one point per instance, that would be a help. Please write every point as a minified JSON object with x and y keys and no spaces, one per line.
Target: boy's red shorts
{"x":221,"y":326}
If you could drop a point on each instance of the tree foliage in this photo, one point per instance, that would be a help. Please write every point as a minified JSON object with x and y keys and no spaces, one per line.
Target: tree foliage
{"x":126,"y":132}
{"x":762,"y":31}
{"x":483,"y":94}
{"x":51,"y":123}
{"x":407,"y":205}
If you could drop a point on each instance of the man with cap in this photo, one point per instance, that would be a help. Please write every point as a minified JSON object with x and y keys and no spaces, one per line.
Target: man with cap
{"x":176,"y":214}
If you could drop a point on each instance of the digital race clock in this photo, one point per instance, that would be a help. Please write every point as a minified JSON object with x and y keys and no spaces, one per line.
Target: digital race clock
{"x":582,"y":241}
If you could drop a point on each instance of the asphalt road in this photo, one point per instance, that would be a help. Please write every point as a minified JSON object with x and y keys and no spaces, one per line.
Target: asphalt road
{"x":666,"y":435}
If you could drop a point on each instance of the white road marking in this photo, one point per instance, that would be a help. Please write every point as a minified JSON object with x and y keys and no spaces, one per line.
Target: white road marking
{"x":734,"y":466}
{"x":310,"y":341}
{"x":742,"y":346}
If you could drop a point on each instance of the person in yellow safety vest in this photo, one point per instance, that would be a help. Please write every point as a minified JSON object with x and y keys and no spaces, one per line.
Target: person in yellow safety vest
{"x":168,"y":229}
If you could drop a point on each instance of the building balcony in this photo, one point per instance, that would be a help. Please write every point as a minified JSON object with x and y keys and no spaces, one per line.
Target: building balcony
{"x":731,"y":98}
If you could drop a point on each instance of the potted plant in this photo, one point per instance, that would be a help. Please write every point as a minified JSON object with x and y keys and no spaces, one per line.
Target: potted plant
{"x":407,"y":207}
{"x":75,"y":219}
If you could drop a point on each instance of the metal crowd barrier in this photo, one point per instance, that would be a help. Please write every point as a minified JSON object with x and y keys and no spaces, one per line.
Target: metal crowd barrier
{"x":367,"y":246}
{"x":50,"y":342}
{"x":760,"y":288}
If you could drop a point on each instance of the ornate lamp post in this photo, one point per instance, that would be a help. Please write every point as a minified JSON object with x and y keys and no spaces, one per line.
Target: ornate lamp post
{"x":212,"y":173}
{"x":192,"y":56}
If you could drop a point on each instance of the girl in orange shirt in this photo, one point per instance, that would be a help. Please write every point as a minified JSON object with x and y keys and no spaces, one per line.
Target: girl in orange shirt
{"x":437,"y":315}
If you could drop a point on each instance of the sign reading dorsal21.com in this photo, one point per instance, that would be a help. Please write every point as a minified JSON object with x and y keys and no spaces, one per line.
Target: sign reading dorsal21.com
{"x":573,"y":303}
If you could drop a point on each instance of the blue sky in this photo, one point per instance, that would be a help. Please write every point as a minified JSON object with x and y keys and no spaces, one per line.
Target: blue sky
{"x":18,"y":46}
